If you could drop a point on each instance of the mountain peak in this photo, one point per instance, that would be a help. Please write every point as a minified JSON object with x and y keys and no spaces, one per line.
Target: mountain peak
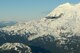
{"x":67,"y":9}
{"x":65,"y":16}
{"x":66,"y":4}
{"x":69,"y":5}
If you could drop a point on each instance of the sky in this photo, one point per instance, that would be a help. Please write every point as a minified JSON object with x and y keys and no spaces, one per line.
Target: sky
{"x":24,"y":10}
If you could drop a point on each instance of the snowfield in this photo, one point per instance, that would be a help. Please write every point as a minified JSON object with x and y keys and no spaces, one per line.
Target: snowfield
{"x":61,"y":28}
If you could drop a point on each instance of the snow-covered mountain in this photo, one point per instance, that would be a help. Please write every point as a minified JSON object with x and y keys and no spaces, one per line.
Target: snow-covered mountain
{"x":14,"y":48}
{"x":59,"y":30}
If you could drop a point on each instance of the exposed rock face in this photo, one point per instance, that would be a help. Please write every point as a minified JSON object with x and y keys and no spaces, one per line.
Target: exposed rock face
{"x":14,"y":48}
{"x":58,"y":32}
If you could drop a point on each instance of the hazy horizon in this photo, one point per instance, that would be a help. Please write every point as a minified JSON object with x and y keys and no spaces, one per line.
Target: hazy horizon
{"x":23,"y":10}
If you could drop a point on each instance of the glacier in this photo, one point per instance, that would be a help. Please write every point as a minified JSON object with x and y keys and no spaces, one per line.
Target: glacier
{"x":59,"y":30}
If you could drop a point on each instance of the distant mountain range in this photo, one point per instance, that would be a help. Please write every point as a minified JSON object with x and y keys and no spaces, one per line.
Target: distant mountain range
{"x":7,"y":23}
{"x":58,"y":32}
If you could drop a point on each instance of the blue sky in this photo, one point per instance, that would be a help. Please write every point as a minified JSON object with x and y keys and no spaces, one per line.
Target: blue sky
{"x":21,"y":10}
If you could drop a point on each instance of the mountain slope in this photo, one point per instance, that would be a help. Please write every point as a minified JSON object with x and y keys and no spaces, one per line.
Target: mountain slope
{"x":67,"y":22}
{"x":14,"y":48}
{"x":60,"y":28}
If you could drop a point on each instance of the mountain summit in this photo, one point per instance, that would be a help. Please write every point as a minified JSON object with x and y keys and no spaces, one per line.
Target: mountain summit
{"x":61,"y":26}
{"x":66,"y":9}
{"x":63,"y":19}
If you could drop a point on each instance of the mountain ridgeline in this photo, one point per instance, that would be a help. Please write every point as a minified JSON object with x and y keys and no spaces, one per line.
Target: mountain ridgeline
{"x":58,"y":32}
